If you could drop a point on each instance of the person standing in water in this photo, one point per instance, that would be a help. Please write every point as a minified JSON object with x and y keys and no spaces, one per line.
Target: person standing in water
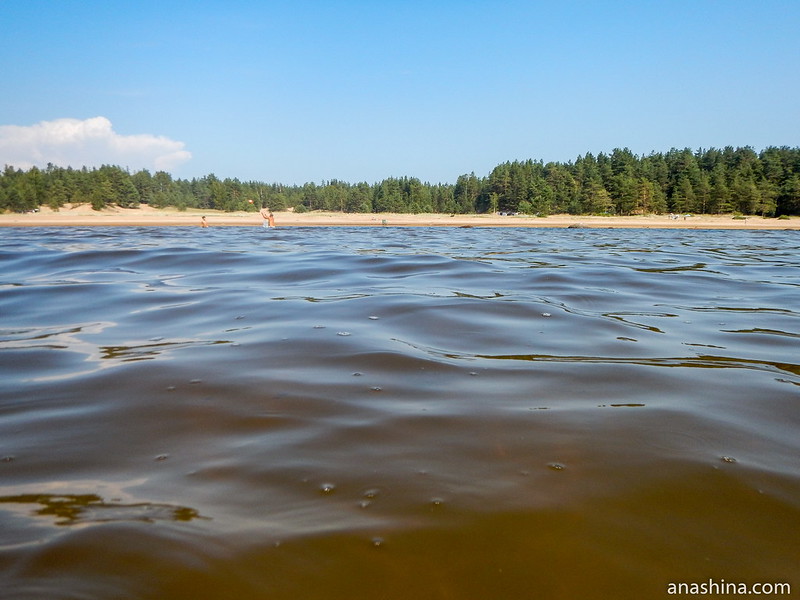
{"x":265,"y":214}
{"x":271,"y":219}
{"x":203,"y":222}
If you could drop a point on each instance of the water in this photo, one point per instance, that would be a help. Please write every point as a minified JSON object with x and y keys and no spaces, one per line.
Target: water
{"x":396,"y":412}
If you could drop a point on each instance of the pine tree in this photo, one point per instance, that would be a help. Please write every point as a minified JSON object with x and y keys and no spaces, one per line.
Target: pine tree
{"x":683,"y":195}
{"x":102,"y":194}
{"x":57,"y":195}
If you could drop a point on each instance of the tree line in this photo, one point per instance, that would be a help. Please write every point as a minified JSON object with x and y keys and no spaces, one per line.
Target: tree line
{"x":705,"y":181}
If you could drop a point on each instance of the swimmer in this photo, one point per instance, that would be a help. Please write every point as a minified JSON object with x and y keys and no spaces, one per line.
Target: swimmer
{"x":203,"y":222}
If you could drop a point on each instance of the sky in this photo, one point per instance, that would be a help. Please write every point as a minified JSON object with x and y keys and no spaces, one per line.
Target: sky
{"x":310,"y":91}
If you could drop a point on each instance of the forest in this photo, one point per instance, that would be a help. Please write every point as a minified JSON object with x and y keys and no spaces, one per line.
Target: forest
{"x":706,"y":181}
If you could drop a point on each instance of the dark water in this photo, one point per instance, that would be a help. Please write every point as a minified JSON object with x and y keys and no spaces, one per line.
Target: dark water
{"x":350,"y":413}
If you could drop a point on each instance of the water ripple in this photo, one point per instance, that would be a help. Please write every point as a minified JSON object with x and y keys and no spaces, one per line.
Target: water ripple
{"x":317,"y":412}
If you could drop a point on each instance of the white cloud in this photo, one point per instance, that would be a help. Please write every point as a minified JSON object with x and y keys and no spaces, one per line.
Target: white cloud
{"x":91,"y":143}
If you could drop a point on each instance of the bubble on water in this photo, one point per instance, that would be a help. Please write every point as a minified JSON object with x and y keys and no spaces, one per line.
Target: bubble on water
{"x":161,"y":457}
{"x":545,"y":314}
{"x":554,"y":466}
{"x":327,"y":488}
{"x":8,"y":458}
{"x":371,"y":493}
{"x":357,"y":374}
{"x":377,"y":542}
{"x":437,"y":502}
{"x":319,"y":326}
{"x":196,"y":381}
{"x":728,"y":459}
{"x":364,"y":504}
{"x":239,"y":317}
{"x":373,"y":318}
{"x":473,"y":373}
{"x":170,"y":388}
{"x":376,"y":388}
{"x":343,"y":333}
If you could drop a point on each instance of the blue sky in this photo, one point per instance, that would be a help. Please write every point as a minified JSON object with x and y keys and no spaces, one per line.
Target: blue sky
{"x":293,"y":92}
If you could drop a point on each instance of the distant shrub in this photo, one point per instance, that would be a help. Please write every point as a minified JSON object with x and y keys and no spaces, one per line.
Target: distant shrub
{"x":300,"y":208}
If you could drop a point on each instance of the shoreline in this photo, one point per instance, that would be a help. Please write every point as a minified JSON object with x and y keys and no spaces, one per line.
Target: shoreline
{"x":83,"y":215}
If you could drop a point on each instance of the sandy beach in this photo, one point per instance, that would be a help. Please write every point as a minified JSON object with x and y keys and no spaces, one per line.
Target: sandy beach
{"x":83,"y":215}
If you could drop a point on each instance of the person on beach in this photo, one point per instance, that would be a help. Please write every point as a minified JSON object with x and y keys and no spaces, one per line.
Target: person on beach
{"x":203,"y":222}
